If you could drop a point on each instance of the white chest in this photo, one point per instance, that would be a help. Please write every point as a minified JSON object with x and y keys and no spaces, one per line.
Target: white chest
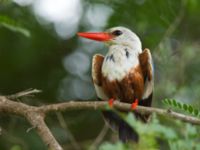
{"x":118,"y":62}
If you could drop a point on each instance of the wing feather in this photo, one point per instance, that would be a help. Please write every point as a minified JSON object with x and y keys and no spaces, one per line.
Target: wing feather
{"x":97,"y":63}
{"x":147,"y":69}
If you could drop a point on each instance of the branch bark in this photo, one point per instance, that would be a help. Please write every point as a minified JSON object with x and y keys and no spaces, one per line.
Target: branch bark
{"x":33,"y":115}
{"x":36,"y":115}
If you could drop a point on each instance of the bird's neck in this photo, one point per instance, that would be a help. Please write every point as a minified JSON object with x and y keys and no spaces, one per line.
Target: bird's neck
{"x":134,"y":46}
{"x":133,"y":49}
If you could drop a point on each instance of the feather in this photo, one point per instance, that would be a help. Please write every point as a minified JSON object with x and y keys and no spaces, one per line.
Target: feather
{"x":126,"y":132}
{"x":97,"y":62}
{"x":147,"y":69}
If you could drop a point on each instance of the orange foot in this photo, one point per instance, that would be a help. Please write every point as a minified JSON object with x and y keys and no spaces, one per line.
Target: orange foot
{"x":110,"y":102}
{"x":134,"y":105}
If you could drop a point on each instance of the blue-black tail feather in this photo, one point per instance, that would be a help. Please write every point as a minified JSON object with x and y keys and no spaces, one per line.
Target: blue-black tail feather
{"x":126,"y":132}
{"x":147,"y":103}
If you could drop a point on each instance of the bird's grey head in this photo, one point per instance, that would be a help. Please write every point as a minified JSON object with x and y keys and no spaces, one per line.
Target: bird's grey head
{"x":124,"y":36}
{"x":116,"y":36}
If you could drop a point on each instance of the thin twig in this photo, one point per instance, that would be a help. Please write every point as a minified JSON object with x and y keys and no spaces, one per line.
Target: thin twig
{"x":69,"y":134}
{"x":99,"y":138}
{"x":13,"y":139}
{"x":28,"y":92}
{"x":173,"y":26}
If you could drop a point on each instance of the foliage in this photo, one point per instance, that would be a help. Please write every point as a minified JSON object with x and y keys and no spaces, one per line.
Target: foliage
{"x":15,"y":147}
{"x":184,"y":136}
{"x":13,"y":25}
{"x":182,"y":106}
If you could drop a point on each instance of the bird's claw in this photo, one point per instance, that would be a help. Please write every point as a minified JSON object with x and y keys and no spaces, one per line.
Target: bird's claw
{"x":134,"y":104}
{"x":110,"y":102}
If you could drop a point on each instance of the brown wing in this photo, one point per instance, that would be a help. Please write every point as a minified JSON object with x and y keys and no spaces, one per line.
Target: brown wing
{"x":146,"y":64}
{"x":147,"y":69}
{"x":97,"y":62}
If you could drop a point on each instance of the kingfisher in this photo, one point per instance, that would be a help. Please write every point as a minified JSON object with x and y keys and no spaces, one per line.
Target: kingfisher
{"x":125,"y":74}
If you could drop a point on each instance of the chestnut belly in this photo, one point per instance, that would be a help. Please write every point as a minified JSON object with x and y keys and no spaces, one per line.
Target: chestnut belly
{"x":127,"y":89}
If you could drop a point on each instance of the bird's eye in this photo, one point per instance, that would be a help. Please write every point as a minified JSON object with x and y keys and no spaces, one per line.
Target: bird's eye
{"x":116,"y":32}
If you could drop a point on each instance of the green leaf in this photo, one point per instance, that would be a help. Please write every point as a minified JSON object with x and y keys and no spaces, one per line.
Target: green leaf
{"x":174,"y":103}
{"x":13,"y":25}
{"x":190,"y":109}
{"x":179,"y":105}
{"x":169,"y":102}
{"x":165,"y":101}
{"x":196,"y":112}
{"x":185,"y":107}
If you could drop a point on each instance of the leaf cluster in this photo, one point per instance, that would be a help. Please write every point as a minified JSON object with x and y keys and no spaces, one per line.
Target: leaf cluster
{"x":181,"y":106}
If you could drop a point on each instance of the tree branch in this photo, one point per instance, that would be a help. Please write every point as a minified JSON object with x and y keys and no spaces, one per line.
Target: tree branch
{"x":36,"y":115}
{"x":37,"y":120}
{"x":74,"y":105}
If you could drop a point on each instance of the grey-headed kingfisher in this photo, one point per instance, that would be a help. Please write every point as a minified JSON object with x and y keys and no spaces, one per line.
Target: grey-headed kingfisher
{"x":125,"y":73}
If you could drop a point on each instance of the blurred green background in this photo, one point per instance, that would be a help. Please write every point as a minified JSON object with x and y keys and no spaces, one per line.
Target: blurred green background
{"x":39,"y":49}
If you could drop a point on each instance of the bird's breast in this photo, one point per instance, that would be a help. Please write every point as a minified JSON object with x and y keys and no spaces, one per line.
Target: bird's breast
{"x":118,"y":62}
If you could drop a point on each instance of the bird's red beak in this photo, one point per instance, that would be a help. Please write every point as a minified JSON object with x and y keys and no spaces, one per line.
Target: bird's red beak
{"x":97,"y":36}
